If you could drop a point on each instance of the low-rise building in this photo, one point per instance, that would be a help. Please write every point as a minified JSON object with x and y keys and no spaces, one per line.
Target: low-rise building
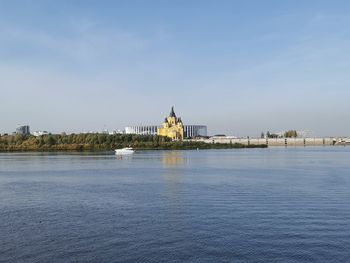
{"x":23,"y":130}
{"x":39,"y":133}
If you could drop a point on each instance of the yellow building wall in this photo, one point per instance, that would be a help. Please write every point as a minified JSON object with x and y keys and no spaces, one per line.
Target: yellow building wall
{"x":172,"y":129}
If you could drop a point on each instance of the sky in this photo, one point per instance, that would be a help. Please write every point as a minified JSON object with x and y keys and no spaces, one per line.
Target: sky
{"x":239,"y":67}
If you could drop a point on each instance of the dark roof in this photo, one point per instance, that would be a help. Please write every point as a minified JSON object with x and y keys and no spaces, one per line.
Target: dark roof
{"x":172,"y":113}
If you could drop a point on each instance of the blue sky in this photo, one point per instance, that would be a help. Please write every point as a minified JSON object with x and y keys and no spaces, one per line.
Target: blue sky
{"x":240,"y":67}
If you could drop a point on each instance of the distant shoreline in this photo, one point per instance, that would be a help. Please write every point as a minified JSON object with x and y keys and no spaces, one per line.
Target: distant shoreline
{"x":281,"y":142}
{"x":105,"y":142}
{"x":81,"y":148}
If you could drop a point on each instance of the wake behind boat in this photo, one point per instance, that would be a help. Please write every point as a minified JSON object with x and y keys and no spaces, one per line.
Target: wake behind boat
{"x":127,"y":150}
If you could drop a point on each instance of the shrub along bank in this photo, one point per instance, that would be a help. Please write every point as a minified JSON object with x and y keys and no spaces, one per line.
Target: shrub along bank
{"x":98,"y":141}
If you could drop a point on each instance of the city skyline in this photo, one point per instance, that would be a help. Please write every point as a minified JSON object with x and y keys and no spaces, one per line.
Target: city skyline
{"x":239,"y":68}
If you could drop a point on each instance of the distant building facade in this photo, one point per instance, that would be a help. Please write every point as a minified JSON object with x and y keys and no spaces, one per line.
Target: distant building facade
{"x":172,"y":127}
{"x":143,"y":129}
{"x":23,"y":130}
{"x":40,"y":133}
{"x":195,"y":131}
{"x":189,"y":130}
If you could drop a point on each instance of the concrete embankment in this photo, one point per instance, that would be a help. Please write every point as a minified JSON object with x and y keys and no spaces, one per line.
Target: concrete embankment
{"x":278,"y":141}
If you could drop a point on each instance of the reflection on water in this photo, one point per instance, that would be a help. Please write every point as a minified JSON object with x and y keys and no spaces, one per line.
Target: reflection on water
{"x":123,"y":156}
{"x":173,"y":158}
{"x":173,"y":162}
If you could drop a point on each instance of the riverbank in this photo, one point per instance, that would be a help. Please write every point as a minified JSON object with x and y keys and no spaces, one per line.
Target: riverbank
{"x":105,"y":142}
{"x":286,"y":142}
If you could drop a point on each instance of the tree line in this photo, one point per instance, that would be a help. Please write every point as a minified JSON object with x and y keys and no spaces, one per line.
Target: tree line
{"x":99,"y":141}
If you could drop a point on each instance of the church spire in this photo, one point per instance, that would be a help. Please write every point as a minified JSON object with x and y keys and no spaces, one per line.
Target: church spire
{"x":172,"y":113}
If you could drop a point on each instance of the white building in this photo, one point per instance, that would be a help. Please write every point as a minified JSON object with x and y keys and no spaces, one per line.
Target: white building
{"x":39,"y":133}
{"x":190,"y":130}
{"x":148,"y":129}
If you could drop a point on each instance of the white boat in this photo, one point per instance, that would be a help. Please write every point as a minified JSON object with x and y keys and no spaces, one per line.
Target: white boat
{"x":127,"y":150}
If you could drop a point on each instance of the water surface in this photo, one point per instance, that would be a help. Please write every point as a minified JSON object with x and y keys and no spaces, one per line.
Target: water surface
{"x":249,"y":205}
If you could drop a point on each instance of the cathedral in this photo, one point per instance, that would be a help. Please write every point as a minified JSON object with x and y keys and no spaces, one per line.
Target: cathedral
{"x":172,"y":127}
